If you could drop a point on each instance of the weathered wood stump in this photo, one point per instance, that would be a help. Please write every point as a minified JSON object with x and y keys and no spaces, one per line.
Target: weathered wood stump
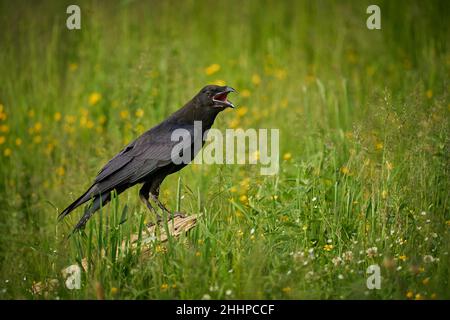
{"x":176,"y":227}
{"x":151,"y":233}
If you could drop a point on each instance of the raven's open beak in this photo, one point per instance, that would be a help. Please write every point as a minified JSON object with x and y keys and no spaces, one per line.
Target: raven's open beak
{"x":221,"y":97}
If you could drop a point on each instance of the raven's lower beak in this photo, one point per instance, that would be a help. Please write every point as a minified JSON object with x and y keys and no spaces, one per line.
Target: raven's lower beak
{"x":221,"y":97}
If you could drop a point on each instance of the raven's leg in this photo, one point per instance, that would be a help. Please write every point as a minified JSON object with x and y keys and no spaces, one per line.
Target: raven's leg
{"x":144,"y":195}
{"x":154,"y":194}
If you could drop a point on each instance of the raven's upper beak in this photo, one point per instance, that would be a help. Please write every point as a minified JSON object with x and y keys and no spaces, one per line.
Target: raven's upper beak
{"x":221,"y":97}
{"x":230,"y":89}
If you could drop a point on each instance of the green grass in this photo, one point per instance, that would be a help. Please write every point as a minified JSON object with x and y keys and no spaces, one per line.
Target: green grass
{"x":364,"y":116}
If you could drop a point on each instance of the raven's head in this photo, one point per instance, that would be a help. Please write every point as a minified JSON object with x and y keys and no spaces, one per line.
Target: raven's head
{"x":215,"y":96}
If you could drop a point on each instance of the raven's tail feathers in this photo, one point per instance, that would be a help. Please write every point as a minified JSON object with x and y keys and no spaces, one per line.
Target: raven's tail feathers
{"x":98,"y":202}
{"x":82,"y":199}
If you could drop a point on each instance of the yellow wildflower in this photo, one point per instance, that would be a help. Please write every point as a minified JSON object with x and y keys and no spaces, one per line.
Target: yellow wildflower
{"x":370,"y":70}
{"x":246,"y":93}
{"x":160,"y":249}
{"x":328,"y":247}
{"x":37,"y":139}
{"x":102,"y":119}
{"x":233,"y":189}
{"x":140,"y":128}
{"x":429,"y":93}
{"x":418,"y":297}
{"x":403,"y":257}
{"x":345,"y":170}
{"x":219,"y":82}
{"x":4,"y":128}
{"x":7,"y":152}
{"x":242,"y":111}
{"x":384,"y":194}
{"x":243,"y":198}
{"x":256,"y":79}
{"x":18,"y":142}
{"x":379,"y":146}
{"x":31,"y":113}
{"x":426,"y":281}
{"x":245,"y":184}
{"x":164,"y":286}
{"x":139,"y":113}
{"x":409,"y":294}
{"x":83,"y":121}
{"x":69,"y":129}
{"x":94,"y":98}
{"x":114,"y":291}
{"x":286,"y":290}
{"x":70,"y":119}
{"x":73,"y":67}
{"x":124,"y":114}
{"x":255,"y":156}
{"x":57,"y":117}
{"x":287,"y":156}
{"x":37,"y":127}
{"x":212,"y":69}
{"x":60,"y":171}
{"x":433,"y":296}
{"x":280,"y":74}
{"x":49,"y":148}
{"x":234,"y":123}
{"x":84,"y":112}
{"x":2,"y":139}
{"x":198,"y":254}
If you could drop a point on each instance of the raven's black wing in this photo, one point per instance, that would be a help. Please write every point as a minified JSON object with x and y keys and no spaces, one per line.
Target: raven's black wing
{"x":149,"y":152}
{"x":141,"y":157}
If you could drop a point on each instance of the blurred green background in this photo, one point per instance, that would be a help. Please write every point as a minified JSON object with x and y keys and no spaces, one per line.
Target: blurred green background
{"x":364,"y":133}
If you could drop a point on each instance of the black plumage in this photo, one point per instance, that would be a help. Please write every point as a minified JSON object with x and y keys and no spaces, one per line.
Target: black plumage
{"x":148,"y":159}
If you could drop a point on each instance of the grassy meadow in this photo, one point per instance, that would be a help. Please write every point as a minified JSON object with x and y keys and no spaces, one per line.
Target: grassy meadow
{"x":364,"y":148}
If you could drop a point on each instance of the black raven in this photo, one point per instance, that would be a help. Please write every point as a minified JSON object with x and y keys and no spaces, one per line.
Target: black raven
{"x":148,"y":159}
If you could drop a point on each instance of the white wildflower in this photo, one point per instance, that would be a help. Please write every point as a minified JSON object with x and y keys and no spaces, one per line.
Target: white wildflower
{"x":372,"y":252}
{"x":348,"y":256}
